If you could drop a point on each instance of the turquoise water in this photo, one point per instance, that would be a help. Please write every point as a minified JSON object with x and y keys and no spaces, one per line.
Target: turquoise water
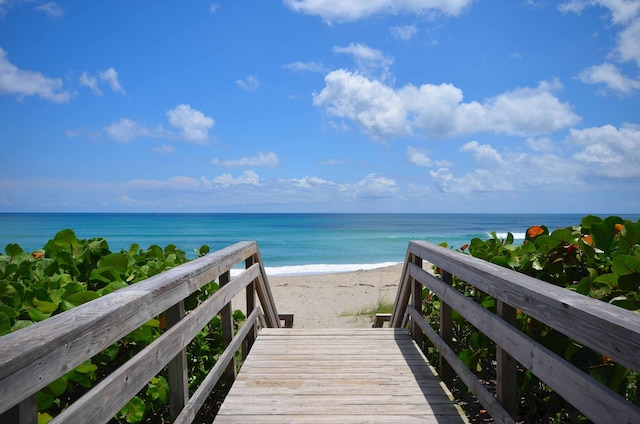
{"x":308,"y":242}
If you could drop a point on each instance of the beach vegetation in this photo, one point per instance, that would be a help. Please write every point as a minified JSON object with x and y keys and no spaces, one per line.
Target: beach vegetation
{"x":68,"y":272}
{"x":382,"y":306}
{"x":599,"y":258}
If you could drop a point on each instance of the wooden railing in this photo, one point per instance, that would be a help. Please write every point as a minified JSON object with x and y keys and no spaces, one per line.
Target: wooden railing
{"x":607,"y":329}
{"x":35,"y":356}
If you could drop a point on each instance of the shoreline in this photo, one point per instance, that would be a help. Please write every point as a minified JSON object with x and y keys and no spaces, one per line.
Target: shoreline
{"x":332,"y":300}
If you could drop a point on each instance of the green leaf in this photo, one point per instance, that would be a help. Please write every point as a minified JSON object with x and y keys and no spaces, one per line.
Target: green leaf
{"x":37,"y":315}
{"x":45,"y":400}
{"x":588,"y":221}
{"x":629,"y":282}
{"x":86,"y":367}
{"x":82,"y":297}
{"x":626,"y":264}
{"x":44,"y":418}
{"x":118,"y":261}
{"x":58,"y":386}
{"x":65,"y":238}
{"x":133,"y":412}
{"x":5,"y":324}
{"x":13,"y":249}
{"x":45,"y":306}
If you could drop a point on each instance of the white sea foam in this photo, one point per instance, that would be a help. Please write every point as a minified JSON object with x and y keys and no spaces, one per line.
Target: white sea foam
{"x":516,"y":236}
{"x":317,"y":268}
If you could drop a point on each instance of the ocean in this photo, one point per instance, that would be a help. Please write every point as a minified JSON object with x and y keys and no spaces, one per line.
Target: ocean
{"x":289,"y":243}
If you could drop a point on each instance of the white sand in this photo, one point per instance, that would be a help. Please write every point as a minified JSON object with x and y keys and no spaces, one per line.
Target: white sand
{"x":333,"y":300}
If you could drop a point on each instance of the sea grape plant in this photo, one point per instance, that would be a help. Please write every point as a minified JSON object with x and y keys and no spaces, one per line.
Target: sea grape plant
{"x":599,"y":258}
{"x":68,"y":272}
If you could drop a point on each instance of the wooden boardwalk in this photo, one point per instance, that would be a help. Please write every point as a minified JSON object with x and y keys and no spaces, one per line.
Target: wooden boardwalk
{"x":371,"y":375}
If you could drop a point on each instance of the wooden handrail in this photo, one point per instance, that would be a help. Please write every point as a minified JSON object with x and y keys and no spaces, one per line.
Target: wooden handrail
{"x":609,"y":330}
{"x":35,"y":356}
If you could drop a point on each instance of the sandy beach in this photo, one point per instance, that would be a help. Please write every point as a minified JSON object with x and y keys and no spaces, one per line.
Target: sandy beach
{"x":333,"y":300}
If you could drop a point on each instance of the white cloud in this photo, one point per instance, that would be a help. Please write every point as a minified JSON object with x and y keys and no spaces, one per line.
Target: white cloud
{"x":542,"y":144}
{"x":311,"y":182}
{"x":367,"y":58}
{"x":127,"y":129}
{"x":609,"y":75}
{"x":376,"y":186}
{"x":261,"y":159}
{"x":352,"y":10}
{"x":214,"y":7}
{"x":247,"y":178}
{"x":91,"y":82}
{"x":406,"y":32}
{"x":250,"y":83}
{"x":52,"y":9}
{"x":430,"y":110}
{"x":625,"y":14}
{"x":508,"y":172}
{"x":110,"y":76}
{"x":483,"y":153}
{"x":29,"y":83}
{"x":194,"y":124}
{"x":608,"y":151}
{"x":629,"y":42}
{"x":306,"y":67}
{"x":418,"y":157}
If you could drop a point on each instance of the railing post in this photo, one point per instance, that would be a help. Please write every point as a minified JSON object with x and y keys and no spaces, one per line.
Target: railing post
{"x":251,"y":304}
{"x":446,"y":325}
{"x":506,"y":369}
{"x":226,"y":318}
{"x":177,"y":367}
{"x":26,"y":412}
{"x":416,"y":300}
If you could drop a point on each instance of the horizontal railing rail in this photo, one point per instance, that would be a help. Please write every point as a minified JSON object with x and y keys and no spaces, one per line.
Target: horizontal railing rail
{"x":607,"y":329}
{"x":35,"y":356}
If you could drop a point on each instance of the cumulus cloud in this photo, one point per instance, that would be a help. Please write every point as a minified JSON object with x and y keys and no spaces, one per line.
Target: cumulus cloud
{"x":367,"y":59}
{"x":91,"y":82}
{"x":611,"y":76}
{"x":405,"y":32}
{"x":626,"y":15}
{"x":376,"y":186}
{"x":345,"y":11}
{"x":194,"y":125}
{"x":607,"y":150}
{"x":250,"y":83}
{"x":306,"y":67}
{"x":418,"y":157}
{"x":261,"y":159}
{"x":127,"y":129}
{"x":30,"y":83}
{"x":438,"y":111}
{"x":507,"y":171}
{"x":247,"y":178}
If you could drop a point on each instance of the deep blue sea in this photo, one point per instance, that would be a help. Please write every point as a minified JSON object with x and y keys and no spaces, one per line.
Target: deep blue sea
{"x":289,"y":243}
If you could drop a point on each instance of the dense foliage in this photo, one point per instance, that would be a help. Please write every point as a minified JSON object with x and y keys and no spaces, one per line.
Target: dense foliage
{"x":599,"y":258}
{"x":68,"y":272}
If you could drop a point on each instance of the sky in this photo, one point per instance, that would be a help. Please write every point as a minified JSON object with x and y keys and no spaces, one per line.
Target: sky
{"x":465,"y":106}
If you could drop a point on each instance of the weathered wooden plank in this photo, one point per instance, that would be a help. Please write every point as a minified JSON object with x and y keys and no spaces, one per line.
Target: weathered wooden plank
{"x":365,"y":417}
{"x":35,"y":356}
{"x":610,"y":330}
{"x":592,"y":398}
{"x":336,"y":381}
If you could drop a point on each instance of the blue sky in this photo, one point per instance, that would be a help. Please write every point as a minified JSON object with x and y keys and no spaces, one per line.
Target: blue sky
{"x":320,"y":106}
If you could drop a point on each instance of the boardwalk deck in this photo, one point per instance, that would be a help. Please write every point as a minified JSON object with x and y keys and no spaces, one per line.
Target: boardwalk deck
{"x":337,"y":375}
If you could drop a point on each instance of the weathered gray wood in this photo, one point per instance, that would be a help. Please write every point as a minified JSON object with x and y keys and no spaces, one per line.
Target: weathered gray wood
{"x":610,"y":330}
{"x":416,"y":301}
{"x":495,"y":409}
{"x":265,"y":296}
{"x":177,"y":374}
{"x":446,"y":331}
{"x":188,"y":414}
{"x":250,"y":302}
{"x":328,"y":375}
{"x":506,"y":366}
{"x":111,"y":394}
{"x":226,"y":321}
{"x":402,"y":295}
{"x":595,"y":400}
{"x":37,"y":355}
{"x":26,"y":412}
